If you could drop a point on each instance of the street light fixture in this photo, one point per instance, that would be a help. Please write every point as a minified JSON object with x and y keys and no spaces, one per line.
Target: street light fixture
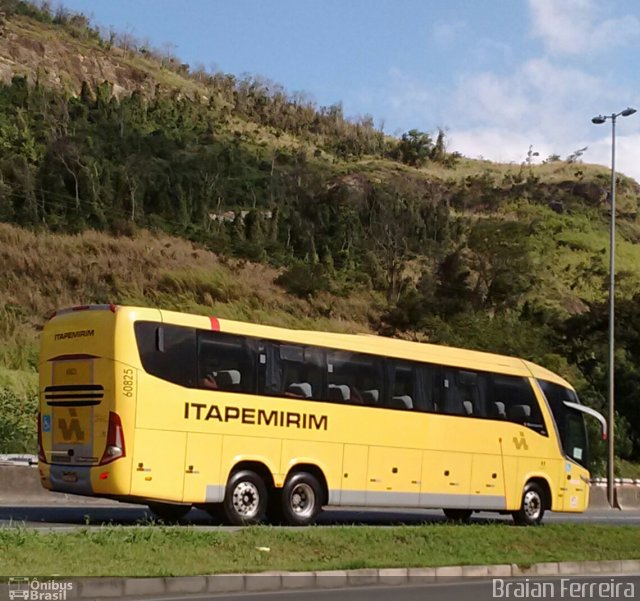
{"x":599,"y":120}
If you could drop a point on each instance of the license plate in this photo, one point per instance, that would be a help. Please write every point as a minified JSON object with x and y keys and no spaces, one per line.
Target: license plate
{"x":70,"y":476}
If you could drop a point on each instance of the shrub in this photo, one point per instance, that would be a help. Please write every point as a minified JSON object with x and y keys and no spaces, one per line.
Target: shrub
{"x":18,"y":422}
{"x":303,"y":279}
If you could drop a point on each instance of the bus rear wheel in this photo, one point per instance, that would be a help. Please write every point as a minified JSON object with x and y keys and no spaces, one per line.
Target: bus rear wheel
{"x":300,"y":500}
{"x":245,"y":499}
{"x":458,"y":515}
{"x":532,"y":506}
{"x":169,"y":512}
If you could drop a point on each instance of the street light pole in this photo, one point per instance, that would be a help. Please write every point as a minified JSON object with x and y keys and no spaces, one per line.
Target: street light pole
{"x":612,"y":282}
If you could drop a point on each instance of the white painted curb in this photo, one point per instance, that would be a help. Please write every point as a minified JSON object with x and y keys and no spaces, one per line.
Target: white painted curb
{"x":107,"y":588}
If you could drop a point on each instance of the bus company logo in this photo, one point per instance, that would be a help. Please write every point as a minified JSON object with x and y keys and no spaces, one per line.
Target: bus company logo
{"x":257,"y":417}
{"x":33,"y":589}
{"x":520,"y":443}
{"x":72,"y":429}
{"x":76,"y":334}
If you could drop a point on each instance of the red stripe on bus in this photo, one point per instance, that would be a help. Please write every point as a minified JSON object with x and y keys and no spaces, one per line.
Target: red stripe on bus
{"x":215,"y":324}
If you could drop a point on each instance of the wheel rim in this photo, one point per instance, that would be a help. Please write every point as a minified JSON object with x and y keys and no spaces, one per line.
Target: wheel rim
{"x":303,"y":500}
{"x":532,"y":504}
{"x":246,"y":499}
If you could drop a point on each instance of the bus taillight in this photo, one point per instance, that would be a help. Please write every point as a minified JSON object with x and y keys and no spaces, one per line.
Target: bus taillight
{"x":41,"y":456}
{"x":115,"y":440}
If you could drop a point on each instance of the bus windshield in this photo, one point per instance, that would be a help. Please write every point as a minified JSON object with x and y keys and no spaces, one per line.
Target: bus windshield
{"x":570,"y":422}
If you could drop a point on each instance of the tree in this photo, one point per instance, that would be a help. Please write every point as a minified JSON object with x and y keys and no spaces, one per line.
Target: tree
{"x":415,"y":148}
{"x":501,"y":262}
{"x":575,"y":156}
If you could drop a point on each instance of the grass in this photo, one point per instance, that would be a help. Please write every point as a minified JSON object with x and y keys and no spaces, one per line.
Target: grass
{"x":44,"y":271}
{"x":627,"y":469}
{"x":124,"y":551}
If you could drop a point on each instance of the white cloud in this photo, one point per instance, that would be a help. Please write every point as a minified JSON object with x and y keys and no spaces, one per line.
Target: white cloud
{"x":447,"y":32}
{"x":543,"y":105}
{"x":540,"y":102}
{"x":497,"y":144}
{"x":537,"y":96}
{"x":627,"y":153}
{"x":574,"y":26}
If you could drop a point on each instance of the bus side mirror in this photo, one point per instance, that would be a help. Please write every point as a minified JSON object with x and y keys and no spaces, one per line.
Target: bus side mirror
{"x":592,"y":413}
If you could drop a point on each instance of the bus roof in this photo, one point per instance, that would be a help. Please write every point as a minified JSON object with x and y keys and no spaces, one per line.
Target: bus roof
{"x":364,"y":343}
{"x":378,"y":345}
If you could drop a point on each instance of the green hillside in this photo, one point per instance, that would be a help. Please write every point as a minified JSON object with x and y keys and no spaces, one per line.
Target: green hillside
{"x":218,"y":195}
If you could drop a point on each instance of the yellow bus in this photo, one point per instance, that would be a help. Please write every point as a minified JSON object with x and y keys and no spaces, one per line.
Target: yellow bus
{"x":175,"y":411}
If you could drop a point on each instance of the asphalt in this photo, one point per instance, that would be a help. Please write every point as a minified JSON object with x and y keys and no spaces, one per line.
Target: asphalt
{"x":81,"y":515}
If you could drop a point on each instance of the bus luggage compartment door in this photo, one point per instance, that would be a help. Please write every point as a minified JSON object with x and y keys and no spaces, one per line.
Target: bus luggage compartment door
{"x":393,"y":477}
{"x":158,"y":464}
{"x":487,"y":482}
{"x":446,"y":479}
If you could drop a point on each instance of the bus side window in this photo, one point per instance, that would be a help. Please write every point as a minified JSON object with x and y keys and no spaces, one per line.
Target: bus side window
{"x":463,"y":392}
{"x":409,"y":385}
{"x":512,"y":399}
{"x":353,"y":378}
{"x":167,"y":352}
{"x":293,"y":371}
{"x":423,"y":386}
{"x":400,"y":384}
{"x":226,"y":362}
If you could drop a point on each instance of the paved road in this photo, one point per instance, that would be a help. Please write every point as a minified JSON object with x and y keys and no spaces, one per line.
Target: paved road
{"x":73,"y":516}
{"x":556,"y":588}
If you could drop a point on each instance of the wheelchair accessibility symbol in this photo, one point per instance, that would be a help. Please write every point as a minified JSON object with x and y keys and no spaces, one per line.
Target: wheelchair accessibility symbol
{"x":46,"y":423}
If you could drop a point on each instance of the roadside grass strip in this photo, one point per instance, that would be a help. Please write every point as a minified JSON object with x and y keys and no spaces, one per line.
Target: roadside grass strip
{"x":183,"y":551}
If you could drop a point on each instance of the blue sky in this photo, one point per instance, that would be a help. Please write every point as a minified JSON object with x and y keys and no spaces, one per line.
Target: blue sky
{"x":497,"y":75}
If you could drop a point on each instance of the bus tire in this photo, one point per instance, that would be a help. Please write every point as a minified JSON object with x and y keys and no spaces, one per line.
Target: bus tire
{"x":169,"y":512}
{"x":300,"y":500}
{"x":532,"y":506}
{"x":245,"y":499}
{"x":458,"y":515}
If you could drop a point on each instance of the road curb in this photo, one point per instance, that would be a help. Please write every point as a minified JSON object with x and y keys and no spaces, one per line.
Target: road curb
{"x":109,"y":588}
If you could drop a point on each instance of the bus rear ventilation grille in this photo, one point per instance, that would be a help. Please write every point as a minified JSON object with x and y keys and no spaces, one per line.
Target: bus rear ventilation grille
{"x":76,"y":395}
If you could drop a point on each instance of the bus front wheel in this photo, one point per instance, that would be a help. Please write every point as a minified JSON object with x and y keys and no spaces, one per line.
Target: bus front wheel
{"x":532,"y":506}
{"x":245,"y":499}
{"x":301,"y":499}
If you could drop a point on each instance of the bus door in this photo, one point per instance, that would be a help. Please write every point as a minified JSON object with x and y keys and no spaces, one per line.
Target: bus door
{"x":574,"y":479}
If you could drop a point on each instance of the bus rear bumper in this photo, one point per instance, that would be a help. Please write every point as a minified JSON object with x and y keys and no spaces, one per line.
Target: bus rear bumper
{"x":74,"y":480}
